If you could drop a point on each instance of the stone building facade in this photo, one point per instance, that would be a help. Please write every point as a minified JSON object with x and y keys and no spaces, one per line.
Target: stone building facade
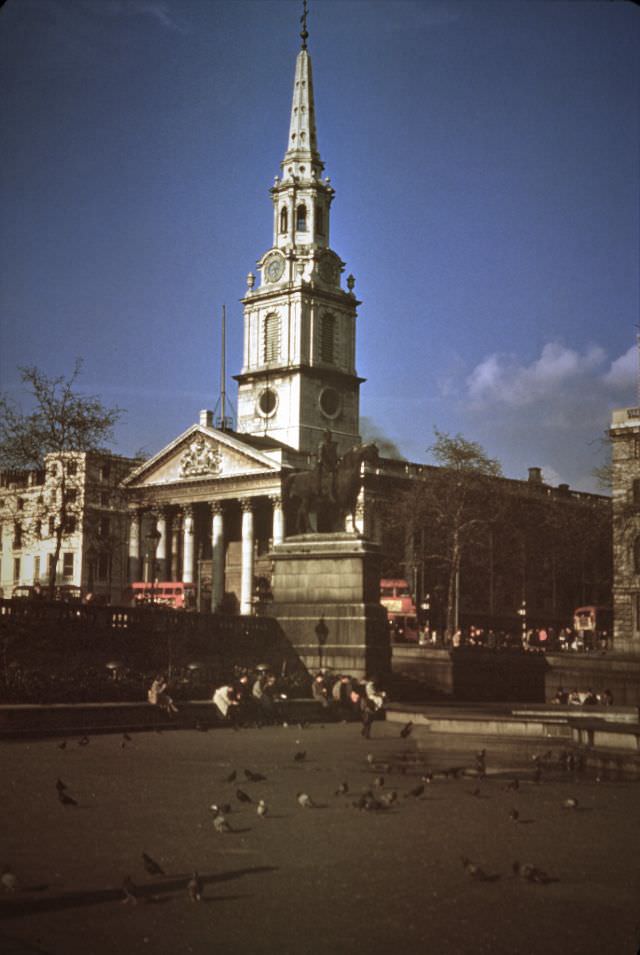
{"x":625,"y":460}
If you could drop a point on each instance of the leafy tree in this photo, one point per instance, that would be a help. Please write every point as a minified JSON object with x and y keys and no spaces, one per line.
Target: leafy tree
{"x":454,"y":503}
{"x":63,"y":421}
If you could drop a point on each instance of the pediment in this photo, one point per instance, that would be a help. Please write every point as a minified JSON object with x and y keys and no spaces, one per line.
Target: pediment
{"x":201,"y":454}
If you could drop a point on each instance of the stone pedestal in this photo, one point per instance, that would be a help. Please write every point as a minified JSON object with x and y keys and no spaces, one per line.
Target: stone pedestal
{"x":326,"y":598}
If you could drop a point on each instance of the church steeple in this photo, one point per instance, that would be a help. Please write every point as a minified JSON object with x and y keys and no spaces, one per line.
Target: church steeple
{"x":298,"y":376}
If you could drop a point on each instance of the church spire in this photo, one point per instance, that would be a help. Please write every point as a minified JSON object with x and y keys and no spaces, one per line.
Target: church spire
{"x":302,"y":158}
{"x":304,"y":33}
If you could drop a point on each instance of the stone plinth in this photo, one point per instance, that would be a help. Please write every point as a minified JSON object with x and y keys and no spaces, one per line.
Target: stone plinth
{"x":326,"y":598}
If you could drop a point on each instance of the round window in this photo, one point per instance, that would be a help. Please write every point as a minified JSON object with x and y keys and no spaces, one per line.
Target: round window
{"x":330,"y":402}
{"x":267,"y":402}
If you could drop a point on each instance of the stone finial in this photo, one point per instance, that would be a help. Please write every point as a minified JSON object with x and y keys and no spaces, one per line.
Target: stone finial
{"x":351,"y":282}
{"x":251,"y":280}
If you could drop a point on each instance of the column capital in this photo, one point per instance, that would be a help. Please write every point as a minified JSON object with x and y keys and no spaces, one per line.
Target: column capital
{"x":216,"y":507}
{"x":187,"y":510}
{"x":276,"y":500}
{"x":246,"y":505}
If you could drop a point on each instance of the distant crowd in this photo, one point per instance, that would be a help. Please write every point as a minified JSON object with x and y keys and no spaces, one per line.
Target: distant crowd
{"x":539,"y":639}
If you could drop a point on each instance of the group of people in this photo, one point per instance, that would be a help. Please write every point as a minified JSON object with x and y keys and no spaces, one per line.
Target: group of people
{"x":248,"y":701}
{"x":539,"y":639}
{"x":577,"y":697}
{"x":349,"y":699}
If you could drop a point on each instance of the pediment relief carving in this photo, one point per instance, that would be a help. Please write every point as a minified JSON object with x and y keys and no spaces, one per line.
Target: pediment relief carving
{"x":201,"y":459}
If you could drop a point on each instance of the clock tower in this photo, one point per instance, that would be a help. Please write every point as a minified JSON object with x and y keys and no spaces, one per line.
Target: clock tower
{"x":298,"y":377}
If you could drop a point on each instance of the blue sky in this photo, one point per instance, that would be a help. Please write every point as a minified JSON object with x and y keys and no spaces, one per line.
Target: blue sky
{"x":485,"y":158}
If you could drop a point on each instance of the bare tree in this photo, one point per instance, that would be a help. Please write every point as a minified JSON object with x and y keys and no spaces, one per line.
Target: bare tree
{"x":63,"y":421}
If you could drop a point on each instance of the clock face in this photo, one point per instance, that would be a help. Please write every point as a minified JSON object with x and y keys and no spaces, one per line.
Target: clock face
{"x":274,"y":268}
{"x":328,"y":269}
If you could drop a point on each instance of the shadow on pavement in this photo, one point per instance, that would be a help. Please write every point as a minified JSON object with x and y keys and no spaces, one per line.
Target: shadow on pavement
{"x":147,"y":893}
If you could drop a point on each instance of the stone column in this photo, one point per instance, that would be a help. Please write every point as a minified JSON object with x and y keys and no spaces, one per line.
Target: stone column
{"x":246,"y":579}
{"x":278,"y":519}
{"x":217,"y":555}
{"x":162,"y":550}
{"x":175,"y":546}
{"x":188,"y":549}
{"x":135,"y":528}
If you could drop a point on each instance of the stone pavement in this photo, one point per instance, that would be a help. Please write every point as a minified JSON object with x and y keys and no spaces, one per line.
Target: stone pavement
{"x":310,"y":880}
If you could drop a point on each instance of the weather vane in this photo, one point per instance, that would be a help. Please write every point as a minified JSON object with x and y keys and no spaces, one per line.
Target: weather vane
{"x":303,"y":20}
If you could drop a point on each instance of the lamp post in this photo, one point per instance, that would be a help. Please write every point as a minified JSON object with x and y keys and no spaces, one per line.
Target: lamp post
{"x":153,"y":539}
{"x":523,"y":613}
{"x":322,"y":632}
{"x":425,"y":606}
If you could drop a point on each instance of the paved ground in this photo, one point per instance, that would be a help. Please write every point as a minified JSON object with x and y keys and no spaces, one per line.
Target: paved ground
{"x":309,"y":881}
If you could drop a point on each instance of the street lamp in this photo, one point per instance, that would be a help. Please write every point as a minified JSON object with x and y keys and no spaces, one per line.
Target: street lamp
{"x":522,"y":612}
{"x":153,"y":539}
{"x":425,"y":606}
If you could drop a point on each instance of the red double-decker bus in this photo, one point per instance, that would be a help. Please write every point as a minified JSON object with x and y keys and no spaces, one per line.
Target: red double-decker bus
{"x":396,"y":598}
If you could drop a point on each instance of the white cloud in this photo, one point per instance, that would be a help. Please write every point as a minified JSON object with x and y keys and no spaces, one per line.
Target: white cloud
{"x":623,"y":372}
{"x":501,"y":379}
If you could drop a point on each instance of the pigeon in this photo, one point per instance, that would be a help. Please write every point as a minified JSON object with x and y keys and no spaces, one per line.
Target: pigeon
{"x":570,"y":803}
{"x":300,"y":756}
{"x":66,"y":799}
{"x":406,"y":729}
{"x":195,"y":888}
{"x":530,"y":873}
{"x":371,"y":804}
{"x":370,"y":758}
{"x":243,"y":796}
{"x":427,"y":778}
{"x":514,"y":815}
{"x":415,"y":792}
{"x":60,"y":786}
{"x":305,"y":801}
{"x":379,"y":782}
{"x":513,"y":786}
{"x":129,"y":891}
{"x":342,"y":789}
{"x":254,"y":777}
{"x":63,"y":744}
{"x":220,"y":809}
{"x":220,"y":824}
{"x":388,"y":799}
{"x":84,"y":741}
{"x":8,"y":880}
{"x":151,"y":866}
{"x":262,"y":808}
{"x":231,"y":778}
{"x":473,"y":870}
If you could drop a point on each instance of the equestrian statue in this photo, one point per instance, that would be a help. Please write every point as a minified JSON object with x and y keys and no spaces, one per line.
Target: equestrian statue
{"x":329,"y":491}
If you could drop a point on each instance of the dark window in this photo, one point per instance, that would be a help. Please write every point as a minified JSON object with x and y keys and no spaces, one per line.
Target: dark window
{"x":16,"y":569}
{"x":71,"y":495}
{"x":67,"y":565}
{"x":319,"y":220}
{"x":70,"y":524}
{"x":636,"y":555}
{"x":104,"y":527}
{"x":636,"y":490}
{"x":105,"y":472}
{"x":271,"y":338}
{"x":72,"y":467}
{"x":38,"y":529}
{"x":301,"y":218}
{"x":52,"y":526}
{"x":327,"y":339}
{"x":17,"y":534}
{"x":20,"y":503}
{"x":105,"y":498}
{"x":36,"y":569}
{"x":104,"y":562}
{"x":284,"y":219}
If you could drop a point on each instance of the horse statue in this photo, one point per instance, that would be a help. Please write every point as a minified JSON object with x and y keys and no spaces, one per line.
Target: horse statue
{"x":305,"y":493}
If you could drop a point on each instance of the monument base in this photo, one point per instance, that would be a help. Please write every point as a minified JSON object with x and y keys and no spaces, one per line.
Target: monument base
{"x":326,"y":598}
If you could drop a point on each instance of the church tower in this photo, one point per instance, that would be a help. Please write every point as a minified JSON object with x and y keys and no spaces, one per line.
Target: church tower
{"x":298,"y":377}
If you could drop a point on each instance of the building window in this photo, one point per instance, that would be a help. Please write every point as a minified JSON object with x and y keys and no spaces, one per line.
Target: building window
{"x":67,"y":565}
{"x":72,"y":468}
{"x":271,"y":338}
{"x":17,"y":535}
{"x":1,"y":536}
{"x":71,"y":495}
{"x":284,"y":219}
{"x":70,"y":524}
{"x":52,"y":526}
{"x":16,"y":569}
{"x":319,"y":220}
{"x":105,"y":498}
{"x":104,"y":527}
{"x":37,"y":529}
{"x":636,"y":555}
{"x":301,"y":218}
{"x":103,"y":566}
{"x":49,"y":565}
{"x":105,"y":472}
{"x":20,"y":504}
{"x":36,"y":570}
{"x":635,"y":490}
{"x":327,"y":338}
